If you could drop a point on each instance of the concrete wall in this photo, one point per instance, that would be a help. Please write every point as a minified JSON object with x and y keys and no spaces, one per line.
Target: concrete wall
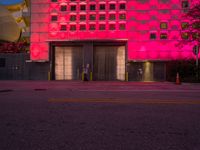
{"x":147,"y":71}
{"x":15,"y":67}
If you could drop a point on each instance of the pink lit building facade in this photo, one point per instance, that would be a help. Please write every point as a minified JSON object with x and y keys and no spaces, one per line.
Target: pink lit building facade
{"x":113,"y":39}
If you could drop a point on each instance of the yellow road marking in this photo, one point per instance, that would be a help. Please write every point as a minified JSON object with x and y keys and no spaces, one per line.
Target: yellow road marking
{"x":122,"y":100}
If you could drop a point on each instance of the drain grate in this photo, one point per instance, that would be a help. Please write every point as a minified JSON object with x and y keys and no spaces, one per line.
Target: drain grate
{"x":6,"y":90}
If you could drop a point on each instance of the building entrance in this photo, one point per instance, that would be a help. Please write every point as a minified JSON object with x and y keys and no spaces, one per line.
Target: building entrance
{"x":68,"y":63}
{"x":109,"y":63}
{"x":104,"y":62}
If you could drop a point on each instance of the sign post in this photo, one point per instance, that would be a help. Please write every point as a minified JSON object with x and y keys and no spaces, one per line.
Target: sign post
{"x":196,"y":52}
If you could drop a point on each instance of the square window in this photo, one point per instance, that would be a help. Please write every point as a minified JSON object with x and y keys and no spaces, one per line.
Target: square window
{"x":152,"y":36}
{"x":112,"y":6}
{"x":102,"y":27}
{"x":102,"y":7}
{"x":73,"y":28}
{"x":184,"y":35}
{"x":184,"y":25}
{"x":73,"y":8}
{"x":185,"y":4}
{"x":63,"y":8}
{"x":163,"y":36}
{"x":122,"y":6}
{"x":54,"y":18}
{"x":122,"y":27}
{"x":73,"y":18}
{"x":102,"y":17}
{"x":163,"y":25}
{"x":82,"y":7}
{"x":92,"y":7}
{"x":196,"y":25}
{"x":122,"y":16}
{"x":112,"y":27}
{"x":112,"y":17}
{"x":93,"y":17}
{"x":82,"y":17}
{"x":82,"y":27}
{"x":63,"y":27}
{"x":92,"y":27}
{"x":195,"y":35}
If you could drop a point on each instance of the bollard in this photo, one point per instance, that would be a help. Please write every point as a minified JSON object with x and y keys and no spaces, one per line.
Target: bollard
{"x":82,"y":76}
{"x":49,"y":75}
{"x":126,"y":76}
{"x":91,"y":76}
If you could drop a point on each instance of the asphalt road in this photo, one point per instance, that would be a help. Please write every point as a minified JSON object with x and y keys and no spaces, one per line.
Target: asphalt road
{"x":40,"y":115}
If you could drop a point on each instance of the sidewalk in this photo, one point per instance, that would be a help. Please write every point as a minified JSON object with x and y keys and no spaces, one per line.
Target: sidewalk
{"x":97,"y":85}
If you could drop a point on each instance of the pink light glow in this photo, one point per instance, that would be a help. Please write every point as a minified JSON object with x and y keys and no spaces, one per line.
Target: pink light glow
{"x":35,"y":51}
{"x":142,"y":18}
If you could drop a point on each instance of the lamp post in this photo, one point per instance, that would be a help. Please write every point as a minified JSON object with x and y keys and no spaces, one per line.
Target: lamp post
{"x":196,"y":52}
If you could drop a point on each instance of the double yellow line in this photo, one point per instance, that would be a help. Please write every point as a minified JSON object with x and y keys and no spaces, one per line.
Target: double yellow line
{"x":123,"y":101}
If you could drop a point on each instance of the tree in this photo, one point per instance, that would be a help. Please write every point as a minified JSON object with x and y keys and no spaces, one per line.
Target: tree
{"x":11,"y":47}
{"x":191,"y":30}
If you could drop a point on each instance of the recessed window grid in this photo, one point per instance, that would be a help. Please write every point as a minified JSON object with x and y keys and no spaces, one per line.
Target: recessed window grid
{"x":122,"y":27}
{"x":73,"y":8}
{"x":163,"y":36}
{"x":73,"y":18}
{"x":63,"y":8}
{"x":92,"y":27}
{"x":184,"y":35}
{"x":184,"y":25}
{"x":82,"y":7}
{"x":54,"y":18}
{"x":92,"y":17}
{"x":185,"y":4}
{"x":112,"y":17}
{"x":163,"y":25}
{"x":195,"y":35}
{"x":102,"y":17}
{"x":122,"y":6}
{"x":196,"y":25}
{"x":153,"y":36}
{"x":102,"y":7}
{"x":82,"y":17}
{"x":102,"y":27}
{"x":89,"y":15}
{"x":112,"y":7}
{"x":72,"y":27}
{"x":112,"y":27}
{"x":122,"y":16}
{"x":63,"y":27}
{"x":93,"y":7}
{"x":82,"y":27}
